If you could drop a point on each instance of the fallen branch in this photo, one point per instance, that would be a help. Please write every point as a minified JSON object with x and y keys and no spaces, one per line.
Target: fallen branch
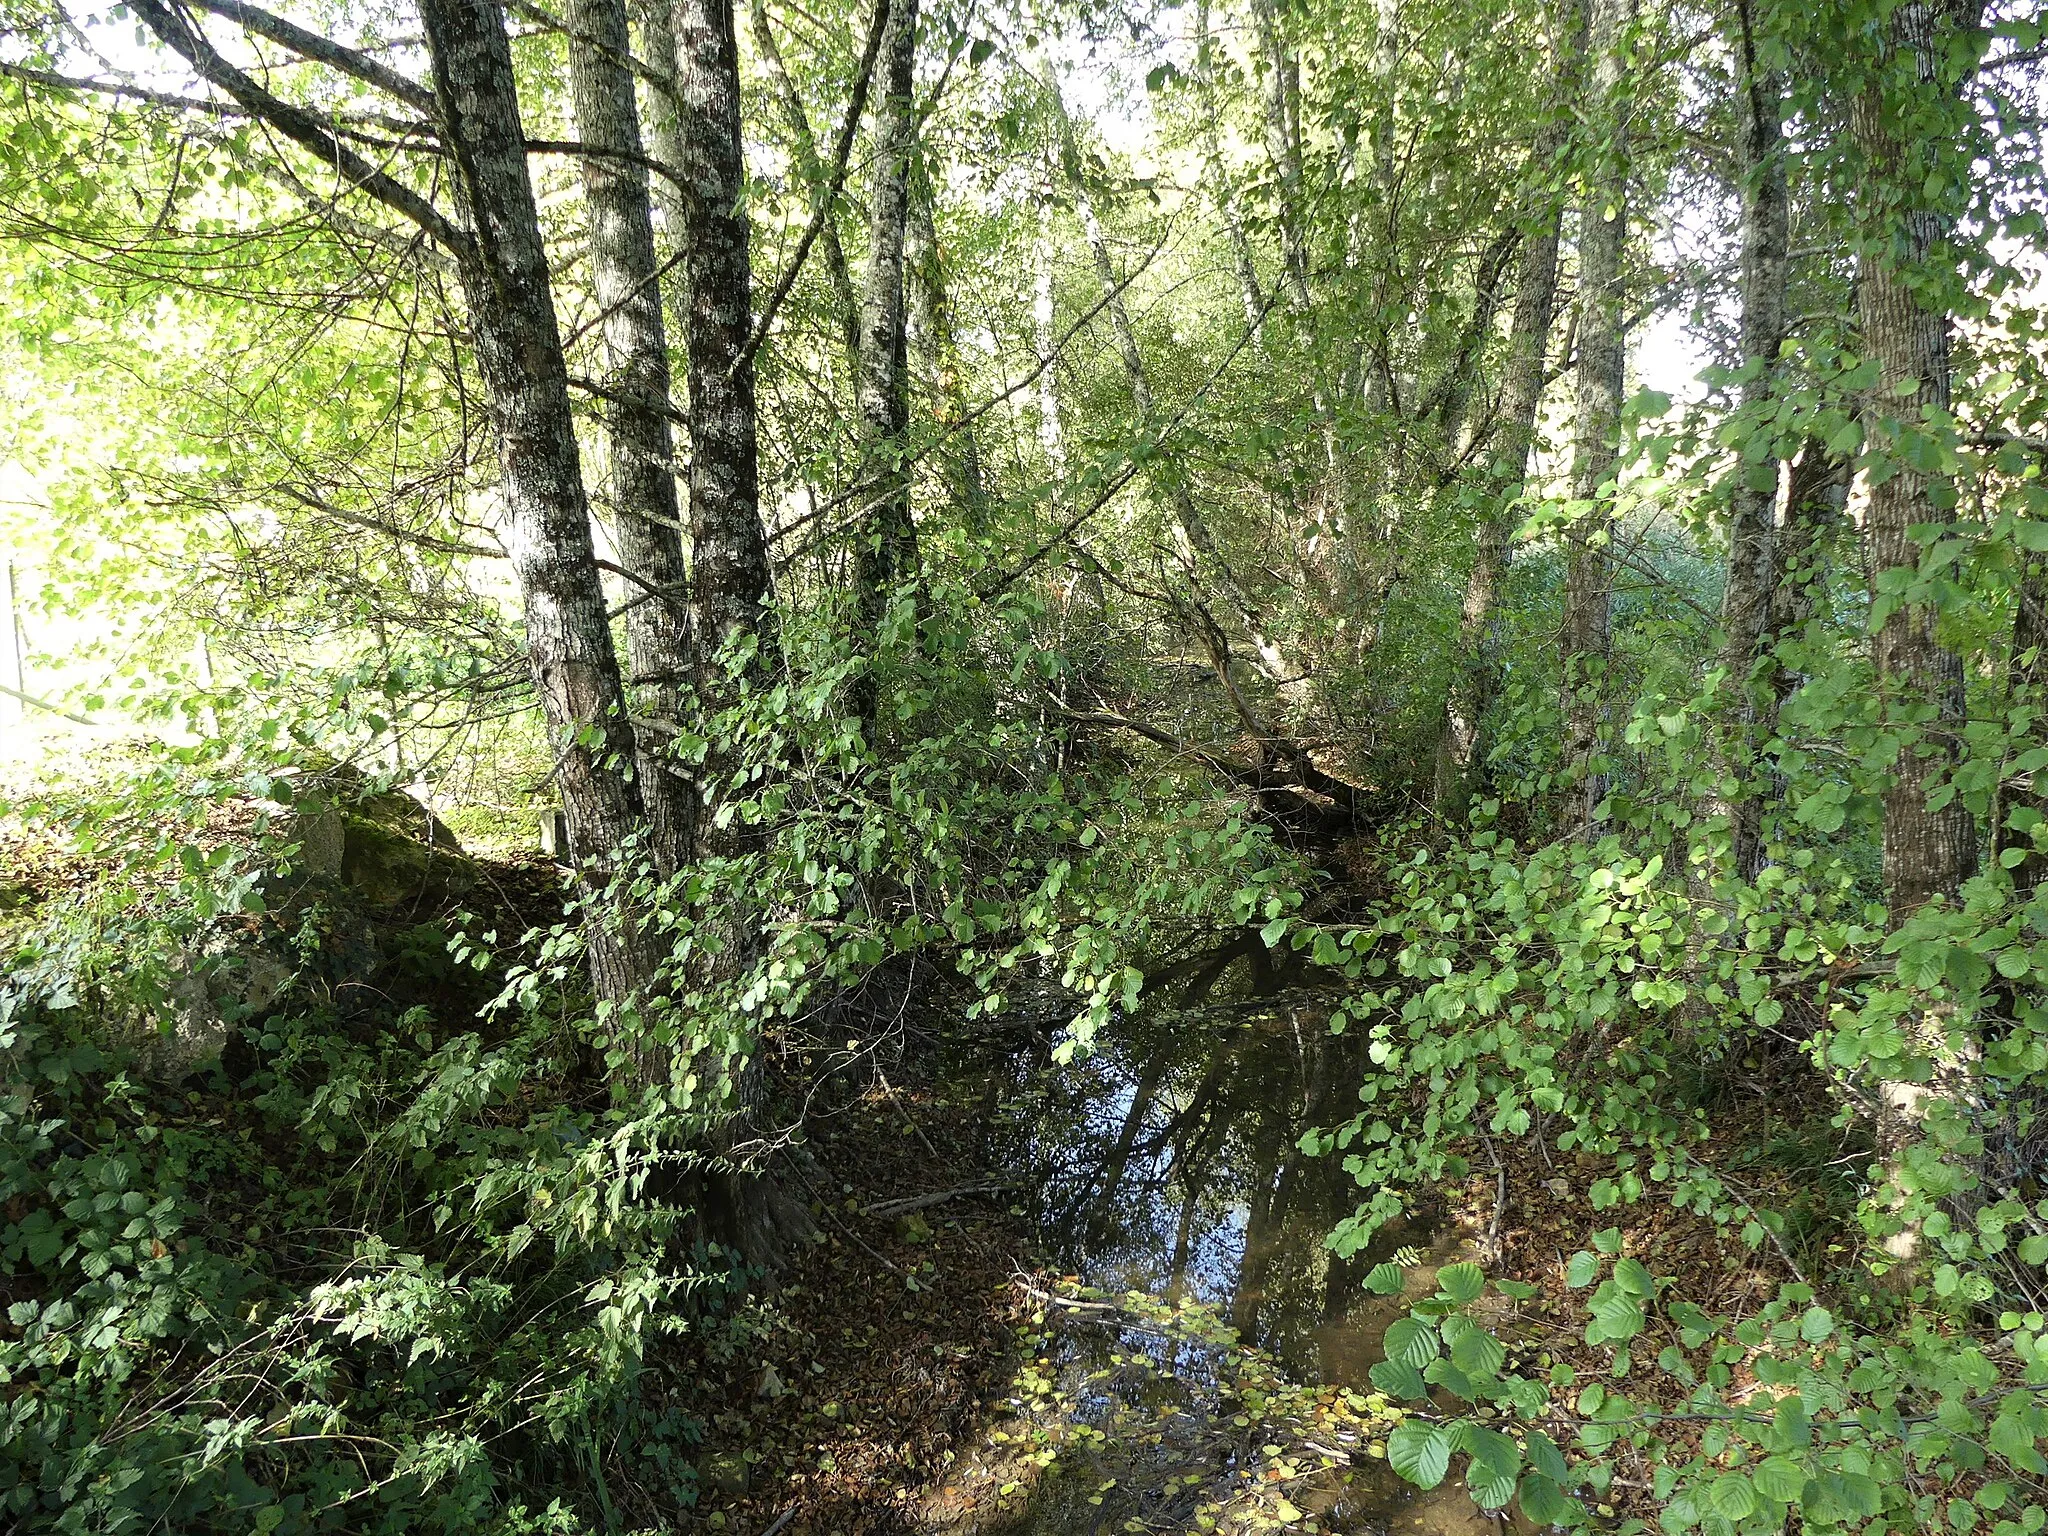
{"x":911,"y":1203}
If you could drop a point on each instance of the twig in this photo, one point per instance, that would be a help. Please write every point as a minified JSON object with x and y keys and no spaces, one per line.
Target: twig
{"x":914,"y":1128}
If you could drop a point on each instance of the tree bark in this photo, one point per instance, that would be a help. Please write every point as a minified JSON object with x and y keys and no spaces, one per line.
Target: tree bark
{"x":1249,"y":292}
{"x":1752,"y":572}
{"x":1928,"y":851}
{"x":1052,"y":433}
{"x":930,"y":324}
{"x":1587,"y":641}
{"x":737,"y":642}
{"x":728,"y":545}
{"x":645,"y":516}
{"x":886,"y":554}
{"x":654,"y":24}
{"x":505,"y":278}
{"x":1283,"y":144}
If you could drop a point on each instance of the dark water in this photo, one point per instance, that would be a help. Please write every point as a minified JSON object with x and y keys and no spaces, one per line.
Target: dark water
{"x":1168,"y":1162}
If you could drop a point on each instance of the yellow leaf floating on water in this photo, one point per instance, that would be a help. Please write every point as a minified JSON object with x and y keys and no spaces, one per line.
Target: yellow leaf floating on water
{"x":1287,"y":1513}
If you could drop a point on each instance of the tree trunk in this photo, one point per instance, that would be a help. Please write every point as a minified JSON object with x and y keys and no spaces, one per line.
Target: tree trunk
{"x":1603,"y":235}
{"x":1247,"y":271}
{"x":930,"y":324}
{"x":505,"y":278}
{"x":1928,"y":851}
{"x":1752,"y":572}
{"x":728,"y":546}
{"x":886,"y":554}
{"x":1816,"y":497}
{"x":1052,"y":433}
{"x":1472,"y":675}
{"x":1283,"y":145}
{"x":737,"y":643}
{"x":645,"y":516}
{"x":654,"y":26}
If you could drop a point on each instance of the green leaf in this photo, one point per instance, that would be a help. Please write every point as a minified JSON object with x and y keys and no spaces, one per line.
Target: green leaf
{"x":1384,"y":1280}
{"x":1616,"y":1319}
{"x":1412,"y":1342}
{"x":1544,"y":1456}
{"x":1463,"y":1282}
{"x":1791,"y":1430}
{"x":1478,"y":1353}
{"x":1398,"y":1379}
{"x":1843,"y":1496}
{"x":1542,"y":1500}
{"x":1780,"y":1480}
{"x":1731,"y":1495}
{"x":1633,"y":1278}
{"x":1420,"y":1453}
{"x":1582,"y":1271}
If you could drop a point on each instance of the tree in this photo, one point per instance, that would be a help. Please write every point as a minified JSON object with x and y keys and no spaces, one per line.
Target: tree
{"x":646,"y":519}
{"x":1903,"y":120}
{"x":1472,"y":681}
{"x":886,"y":551}
{"x":1752,"y":562}
{"x":1587,"y":638}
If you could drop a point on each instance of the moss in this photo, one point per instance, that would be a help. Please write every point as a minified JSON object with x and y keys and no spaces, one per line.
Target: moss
{"x":388,"y":862}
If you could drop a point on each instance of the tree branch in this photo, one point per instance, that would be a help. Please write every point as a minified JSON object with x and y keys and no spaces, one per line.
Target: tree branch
{"x":823,"y":210}
{"x":321,"y":50}
{"x":293,"y":121}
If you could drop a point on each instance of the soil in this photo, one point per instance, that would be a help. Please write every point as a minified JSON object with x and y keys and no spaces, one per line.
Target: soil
{"x":886,"y":1345}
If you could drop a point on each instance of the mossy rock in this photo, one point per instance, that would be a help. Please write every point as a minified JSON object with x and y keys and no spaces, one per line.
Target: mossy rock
{"x":391,"y":854}
{"x":387,"y":847}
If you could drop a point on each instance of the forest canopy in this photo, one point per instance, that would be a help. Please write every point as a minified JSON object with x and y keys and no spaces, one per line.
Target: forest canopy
{"x":1515,"y":534}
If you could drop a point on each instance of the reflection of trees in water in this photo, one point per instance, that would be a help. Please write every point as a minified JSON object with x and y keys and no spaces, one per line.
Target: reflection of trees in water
{"x":1170,"y":1160}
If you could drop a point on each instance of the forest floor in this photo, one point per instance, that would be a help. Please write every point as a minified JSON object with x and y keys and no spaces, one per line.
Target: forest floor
{"x":885,"y":1345}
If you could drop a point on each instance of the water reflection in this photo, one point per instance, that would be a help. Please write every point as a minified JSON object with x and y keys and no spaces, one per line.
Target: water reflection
{"x":1170,"y":1162}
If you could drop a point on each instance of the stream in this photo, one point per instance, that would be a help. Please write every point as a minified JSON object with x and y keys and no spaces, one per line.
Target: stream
{"x":1167,"y":1164}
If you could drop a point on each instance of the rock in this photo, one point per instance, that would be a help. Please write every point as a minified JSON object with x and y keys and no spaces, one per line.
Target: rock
{"x":321,"y":833}
{"x":385,"y":845}
{"x":388,"y":856}
{"x":188,"y":1033}
{"x":209,"y":990}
